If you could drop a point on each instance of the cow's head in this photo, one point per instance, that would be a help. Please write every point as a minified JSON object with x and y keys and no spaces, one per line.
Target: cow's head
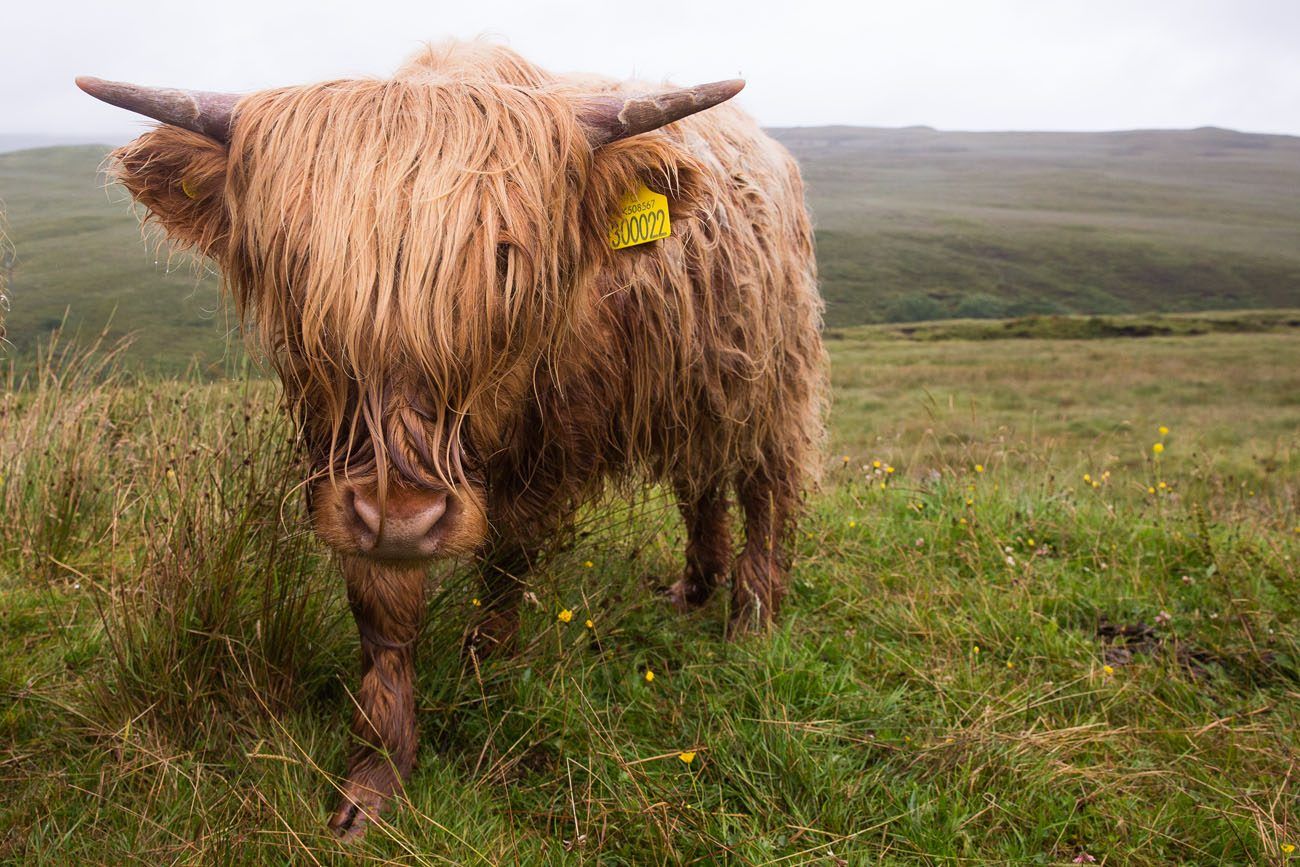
{"x":407,"y":252}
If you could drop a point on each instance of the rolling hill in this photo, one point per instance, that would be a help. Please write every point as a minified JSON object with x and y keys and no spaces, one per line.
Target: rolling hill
{"x":912,"y":224}
{"x":919,"y":224}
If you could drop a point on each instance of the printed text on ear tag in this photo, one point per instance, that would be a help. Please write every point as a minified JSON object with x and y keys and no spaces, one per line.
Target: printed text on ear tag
{"x":642,"y":217}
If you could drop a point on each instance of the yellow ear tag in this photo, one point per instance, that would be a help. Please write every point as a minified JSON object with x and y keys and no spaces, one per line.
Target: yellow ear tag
{"x":642,"y":218}
{"x":187,"y":189}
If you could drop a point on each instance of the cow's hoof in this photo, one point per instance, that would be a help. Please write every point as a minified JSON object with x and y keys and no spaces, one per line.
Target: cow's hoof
{"x":494,"y":635}
{"x":685,"y":595}
{"x":747,"y":620}
{"x":357,"y":809}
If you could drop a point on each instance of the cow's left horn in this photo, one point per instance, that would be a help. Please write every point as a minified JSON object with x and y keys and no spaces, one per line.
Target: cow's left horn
{"x":610,"y":118}
{"x":199,"y":111}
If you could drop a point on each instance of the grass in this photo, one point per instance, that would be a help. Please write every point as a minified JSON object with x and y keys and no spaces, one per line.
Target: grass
{"x":1037,"y":641}
{"x":80,"y":266}
{"x":912,"y":225}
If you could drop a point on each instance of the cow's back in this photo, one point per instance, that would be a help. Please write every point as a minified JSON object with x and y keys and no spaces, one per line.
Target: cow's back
{"x":722,"y":320}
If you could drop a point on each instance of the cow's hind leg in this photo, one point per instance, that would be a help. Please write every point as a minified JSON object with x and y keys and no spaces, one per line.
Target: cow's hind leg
{"x":769,"y":498}
{"x":708,"y":544}
{"x":388,"y":604}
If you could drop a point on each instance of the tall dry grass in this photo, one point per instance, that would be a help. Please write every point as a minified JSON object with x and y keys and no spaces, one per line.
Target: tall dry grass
{"x":176,"y":506}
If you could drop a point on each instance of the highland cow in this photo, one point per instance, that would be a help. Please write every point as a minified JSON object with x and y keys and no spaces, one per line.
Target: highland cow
{"x":426,"y":263}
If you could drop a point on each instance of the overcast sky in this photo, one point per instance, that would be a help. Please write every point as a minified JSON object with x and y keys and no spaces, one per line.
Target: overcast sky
{"x":964,"y":64}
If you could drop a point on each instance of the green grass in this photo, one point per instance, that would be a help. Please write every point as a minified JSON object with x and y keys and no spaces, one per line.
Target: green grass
{"x":950,"y":681}
{"x":912,"y":225}
{"x":80,"y":257}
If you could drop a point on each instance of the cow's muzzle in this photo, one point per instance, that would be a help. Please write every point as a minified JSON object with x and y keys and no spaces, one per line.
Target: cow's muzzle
{"x":410,"y":525}
{"x":406,"y":524}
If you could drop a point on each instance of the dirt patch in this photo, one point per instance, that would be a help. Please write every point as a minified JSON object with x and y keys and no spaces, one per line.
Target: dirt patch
{"x":1122,"y":641}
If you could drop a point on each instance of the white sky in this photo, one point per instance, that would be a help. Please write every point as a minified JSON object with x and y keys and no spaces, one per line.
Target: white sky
{"x":962,"y":64}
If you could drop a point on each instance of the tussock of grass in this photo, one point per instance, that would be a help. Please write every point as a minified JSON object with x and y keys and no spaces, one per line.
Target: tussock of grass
{"x":1103,"y":327}
{"x":1009,"y":664}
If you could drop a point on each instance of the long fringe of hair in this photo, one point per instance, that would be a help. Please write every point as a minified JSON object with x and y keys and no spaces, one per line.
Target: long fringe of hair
{"x":424,"y":262}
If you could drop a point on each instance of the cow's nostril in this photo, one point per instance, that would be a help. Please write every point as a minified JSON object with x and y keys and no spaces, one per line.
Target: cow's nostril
{"x":367,"y":513}
{"x":431,"y":514}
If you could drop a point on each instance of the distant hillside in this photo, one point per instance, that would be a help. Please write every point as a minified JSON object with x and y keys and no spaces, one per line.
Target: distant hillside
{"x":27,"y":141}
{"x":912,"y":224}
{"x":919,"y":224}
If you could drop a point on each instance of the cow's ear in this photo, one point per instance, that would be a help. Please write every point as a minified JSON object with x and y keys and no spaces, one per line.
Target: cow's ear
{"x":180,"y":177}
{"x":655,"y":160}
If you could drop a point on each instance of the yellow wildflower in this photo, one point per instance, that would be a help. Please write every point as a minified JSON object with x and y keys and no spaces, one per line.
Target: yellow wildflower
{"x":565,"y":616}
{"x":589,"y":624}
{"x":882,"y":486}
{"x":970,"y":502}
{"x":476,"y":602}
{"x":1087,"y":478}
{"x":687,"y":757}
{"x":875,"y":465}
{"x":1158,"y":448}
{"x":588,"y":564}
{"x":979,"y":468}
{"x":1163,"y":430}
{"x":1151,"y":490}
{"x":1096,"y":484}
{"x":1162,"y":486}
{"x":649,"y":676}
{"x":975,"y":650}
{"x":1108,"y":669}
{"x":852,"y":524}
{"x":846,"y":460}
{"x":1288,"y":848}
{"x":1010,"y":664}
{"x":889,"y":469}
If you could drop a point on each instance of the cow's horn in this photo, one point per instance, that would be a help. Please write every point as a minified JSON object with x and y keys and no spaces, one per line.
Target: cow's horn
{"x":610,"y":118}
{"x":199,"y":111}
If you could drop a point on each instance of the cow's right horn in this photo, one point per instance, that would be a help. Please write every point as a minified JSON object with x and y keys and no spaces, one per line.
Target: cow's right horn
{"x":199,"y":111}
{"x":613,"y":116}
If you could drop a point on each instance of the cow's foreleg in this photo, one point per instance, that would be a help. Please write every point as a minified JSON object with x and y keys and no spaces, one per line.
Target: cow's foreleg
{"x":388,"y":604}
{"x":769,"y":500}
{"x":501,"y":581}
{"x":708,"y":545}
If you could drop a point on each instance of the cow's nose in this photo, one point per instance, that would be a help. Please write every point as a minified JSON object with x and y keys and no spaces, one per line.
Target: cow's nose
{"x":410,"y":523}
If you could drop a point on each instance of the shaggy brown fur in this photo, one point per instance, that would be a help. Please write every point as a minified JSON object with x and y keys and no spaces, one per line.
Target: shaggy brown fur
{"x":425,"y":262}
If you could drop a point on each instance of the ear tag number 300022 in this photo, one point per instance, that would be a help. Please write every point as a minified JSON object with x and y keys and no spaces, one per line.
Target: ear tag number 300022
{"x":642,"y":217}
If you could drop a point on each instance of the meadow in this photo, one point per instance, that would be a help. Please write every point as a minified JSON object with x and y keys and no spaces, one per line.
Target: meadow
{"x":1044,"y":611}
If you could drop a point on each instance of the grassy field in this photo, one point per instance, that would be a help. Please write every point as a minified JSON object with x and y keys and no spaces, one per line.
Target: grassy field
{"x":1017,"y":632}
{"x":79,"y":256}
{"x":912,"y":224}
